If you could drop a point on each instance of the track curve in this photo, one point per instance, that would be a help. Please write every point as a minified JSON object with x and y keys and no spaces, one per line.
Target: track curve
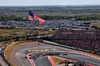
{"x":19,"y":52}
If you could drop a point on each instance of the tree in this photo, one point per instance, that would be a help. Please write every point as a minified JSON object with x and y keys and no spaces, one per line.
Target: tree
{"x":94,"y":27}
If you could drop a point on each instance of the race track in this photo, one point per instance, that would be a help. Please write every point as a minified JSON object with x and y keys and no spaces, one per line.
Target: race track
{"x":19,"y":53}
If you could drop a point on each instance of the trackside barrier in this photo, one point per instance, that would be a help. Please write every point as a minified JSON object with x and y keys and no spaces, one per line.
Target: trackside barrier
{"x":2,"y":52}
{"x":5,"y":59}
{"x":61,"y":45}
{"x":9,"y":42}
{"x":54,"y":43}
{"x":4,"y":47}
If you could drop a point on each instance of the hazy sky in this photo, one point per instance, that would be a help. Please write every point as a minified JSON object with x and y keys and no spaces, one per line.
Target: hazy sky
{"x":47,"y":2}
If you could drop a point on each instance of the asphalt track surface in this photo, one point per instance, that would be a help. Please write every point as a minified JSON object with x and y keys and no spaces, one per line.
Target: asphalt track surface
{"x":19,"y":53}
{"x":13,"y":58}
{"x":72,"y":56}
{"x":42,"y":62}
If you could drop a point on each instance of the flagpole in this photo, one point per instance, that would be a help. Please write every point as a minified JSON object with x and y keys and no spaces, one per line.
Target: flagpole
{"x":40,"y":36}
{"x":28,"y":29}
{"x":33,"y":17}
{"x":40,"y":32}
{"x":43,"y":31}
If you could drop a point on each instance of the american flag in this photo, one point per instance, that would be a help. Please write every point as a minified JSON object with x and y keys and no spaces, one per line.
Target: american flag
{"x":33,"y":17}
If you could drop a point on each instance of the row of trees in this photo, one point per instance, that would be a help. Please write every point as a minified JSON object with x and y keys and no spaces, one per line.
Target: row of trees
{"x":5,"y":38}
{"x":12,"y":17}
{"x":82,"y":17}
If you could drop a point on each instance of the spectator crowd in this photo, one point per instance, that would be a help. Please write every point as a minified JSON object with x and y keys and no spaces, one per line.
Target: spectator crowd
{"x":84,"y":39}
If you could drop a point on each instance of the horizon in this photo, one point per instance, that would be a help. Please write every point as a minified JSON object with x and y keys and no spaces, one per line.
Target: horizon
{"x":47,"y":2}
{"x":49,"y":5}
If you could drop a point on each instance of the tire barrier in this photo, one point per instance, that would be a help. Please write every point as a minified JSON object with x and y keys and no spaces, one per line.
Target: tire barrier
{"x":3,"y":50}
{"x":2,"y":55}
{"x":7,"y":43}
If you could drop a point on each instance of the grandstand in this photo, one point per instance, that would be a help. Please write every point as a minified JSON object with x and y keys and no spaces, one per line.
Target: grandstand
{"x":83,"y":39}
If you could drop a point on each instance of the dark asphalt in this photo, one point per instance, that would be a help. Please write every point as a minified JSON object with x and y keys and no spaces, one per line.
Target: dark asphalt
{"x":84,"y":58}
{"x":43,"y":61}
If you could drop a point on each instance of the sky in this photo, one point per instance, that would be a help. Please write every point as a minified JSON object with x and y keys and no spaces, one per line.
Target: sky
{"x":47,"y":2}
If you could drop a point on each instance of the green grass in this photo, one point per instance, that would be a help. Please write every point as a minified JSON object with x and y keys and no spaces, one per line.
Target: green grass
{"x":7,"y":32}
